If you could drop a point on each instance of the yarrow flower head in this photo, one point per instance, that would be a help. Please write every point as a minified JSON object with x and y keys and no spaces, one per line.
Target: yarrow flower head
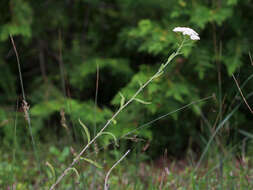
{"x":187,"y":31}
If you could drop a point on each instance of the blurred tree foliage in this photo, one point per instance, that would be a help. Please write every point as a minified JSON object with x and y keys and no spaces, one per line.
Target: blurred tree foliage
{"x":61,"y":45}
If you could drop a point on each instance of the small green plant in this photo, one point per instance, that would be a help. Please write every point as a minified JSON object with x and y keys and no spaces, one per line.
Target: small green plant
{"x":187,"y":33}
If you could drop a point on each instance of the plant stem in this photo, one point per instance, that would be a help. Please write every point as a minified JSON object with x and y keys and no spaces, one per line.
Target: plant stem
{"x":106,"y":185}
{"x":157,"y":74}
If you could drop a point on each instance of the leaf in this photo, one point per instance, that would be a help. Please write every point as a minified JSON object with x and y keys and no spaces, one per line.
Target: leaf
{"x":113,"y":136}
{"x":85,"y":129}
{"x":51,"y":168}
{"x":232,"y":2}
{"x":140,"y":83}
{"x":114,"y":121}
{"x":221,"y":15}
{"x":200,"y":16}
{"x":245,"y":133}
{"x":76,"y":172}
{"x":82,"y":71}
{"x":170,"y":58}
{"x":178,"y":91}
{"x":91,"y":162}
{"x":222,"y":123}
{"x":141,"y":101}
{"x":122,"y":101}
{"x":53,"y":150}
{"x":64,"y":154}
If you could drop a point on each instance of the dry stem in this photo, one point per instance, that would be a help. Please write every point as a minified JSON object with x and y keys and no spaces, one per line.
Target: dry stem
{"x":244,"y":99}
{"x":106,"y":185}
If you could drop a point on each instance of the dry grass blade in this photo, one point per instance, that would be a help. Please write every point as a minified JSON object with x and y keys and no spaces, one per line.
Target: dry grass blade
{"x":244,"y":99}
{"x":250,"y":59}
{"x":19,"y":67}
{"x":25,"y":105}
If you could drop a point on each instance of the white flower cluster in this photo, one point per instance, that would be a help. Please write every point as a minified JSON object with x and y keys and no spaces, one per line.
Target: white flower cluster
{"x":187,"y":31}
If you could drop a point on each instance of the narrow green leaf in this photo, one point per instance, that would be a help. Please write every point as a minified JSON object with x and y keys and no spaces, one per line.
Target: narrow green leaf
{"x":214,"y":134}
{"x":170,"y":58}
{"x":140,"y":83}
{"x":122,"y":101}
{"x":245,"y":133}
{"x":113,"y":136}
{"x":76,"y":172}
{"x":85,"y":129}
{"x":51,"y":169}
{"x":141,"y":101}
{"x":91,"y":162}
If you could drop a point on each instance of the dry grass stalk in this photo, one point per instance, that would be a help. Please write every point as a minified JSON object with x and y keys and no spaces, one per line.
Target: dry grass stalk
{"x":106,"y":185}
{"x":244,"y":99}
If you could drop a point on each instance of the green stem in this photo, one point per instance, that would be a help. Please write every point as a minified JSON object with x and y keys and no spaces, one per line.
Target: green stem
{"x":158,"y":73}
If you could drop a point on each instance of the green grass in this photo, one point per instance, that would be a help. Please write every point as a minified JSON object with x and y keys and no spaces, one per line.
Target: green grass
{"x":216,"y":172}
{"x":219,"y":166}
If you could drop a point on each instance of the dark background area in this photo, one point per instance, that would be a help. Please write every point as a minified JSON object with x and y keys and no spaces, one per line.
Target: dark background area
{"x":62,"y":45}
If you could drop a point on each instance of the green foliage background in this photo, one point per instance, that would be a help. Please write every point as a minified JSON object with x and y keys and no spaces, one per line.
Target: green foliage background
{"x":62,"y":43}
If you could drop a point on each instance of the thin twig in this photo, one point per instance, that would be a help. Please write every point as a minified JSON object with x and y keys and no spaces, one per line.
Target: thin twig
{"x":242,"y":94}
{"x":106,"y":185}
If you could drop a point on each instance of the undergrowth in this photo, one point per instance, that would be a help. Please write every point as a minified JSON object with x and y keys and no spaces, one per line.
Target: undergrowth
{"x":94,"y":167}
